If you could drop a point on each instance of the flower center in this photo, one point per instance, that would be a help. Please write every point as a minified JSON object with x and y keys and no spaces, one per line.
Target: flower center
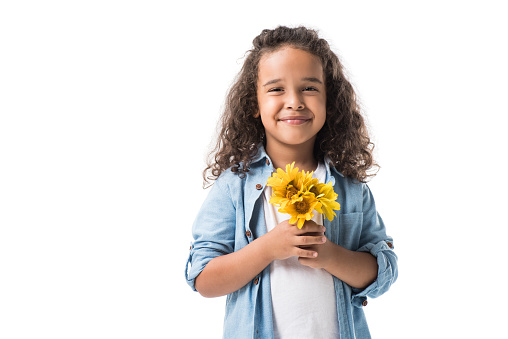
{"x":314,"y":190}
{"x":290,"y":192}
{"x":302,"y":207}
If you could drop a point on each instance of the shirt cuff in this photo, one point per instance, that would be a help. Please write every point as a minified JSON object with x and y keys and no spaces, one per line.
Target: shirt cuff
{"x":386,"y":275}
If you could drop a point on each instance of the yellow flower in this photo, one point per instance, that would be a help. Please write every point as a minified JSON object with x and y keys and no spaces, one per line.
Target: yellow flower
{"x":282,"y":196}
{"x":283,"y":187}
{"x":327,"y":197}
{"x":304,"y":180}
{"x":298,"y":194}
{"x":301,"y":210}
{"x":281,"y":179}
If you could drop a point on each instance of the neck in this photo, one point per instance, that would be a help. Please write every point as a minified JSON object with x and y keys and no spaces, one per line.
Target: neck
{"x":302,"y":155}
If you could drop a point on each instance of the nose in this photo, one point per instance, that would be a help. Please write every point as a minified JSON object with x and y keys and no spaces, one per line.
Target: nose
{"x":294,"y":101}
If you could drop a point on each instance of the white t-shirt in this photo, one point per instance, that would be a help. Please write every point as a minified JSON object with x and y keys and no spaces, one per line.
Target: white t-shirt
{"x":303,"y":298}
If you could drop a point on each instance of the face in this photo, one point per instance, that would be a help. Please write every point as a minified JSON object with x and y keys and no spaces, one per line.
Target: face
{"x":291,"y":97}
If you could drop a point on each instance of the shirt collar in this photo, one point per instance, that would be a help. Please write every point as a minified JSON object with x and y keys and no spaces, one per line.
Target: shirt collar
{"x":329,"y":166}
{"x":261,"y":155}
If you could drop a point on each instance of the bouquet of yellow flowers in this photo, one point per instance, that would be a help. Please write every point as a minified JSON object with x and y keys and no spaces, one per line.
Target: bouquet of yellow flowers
{"x":298,"y":194}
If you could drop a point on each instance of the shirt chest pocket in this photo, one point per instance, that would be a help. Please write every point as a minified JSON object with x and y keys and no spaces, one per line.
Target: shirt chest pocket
{"x":350,"y":230}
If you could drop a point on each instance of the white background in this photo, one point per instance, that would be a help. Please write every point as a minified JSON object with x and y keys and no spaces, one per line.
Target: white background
{"x":109,"y":107}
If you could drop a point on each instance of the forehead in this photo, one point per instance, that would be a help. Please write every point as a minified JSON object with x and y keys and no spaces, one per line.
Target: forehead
{"x":289,"y":61}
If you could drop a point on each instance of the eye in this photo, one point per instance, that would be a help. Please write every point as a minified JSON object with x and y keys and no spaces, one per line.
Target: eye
{"x":276,"y":89}
{"x":310,"y":89}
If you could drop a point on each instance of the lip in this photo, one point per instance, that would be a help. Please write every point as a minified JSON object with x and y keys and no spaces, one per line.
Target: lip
{"x":295,"y":120}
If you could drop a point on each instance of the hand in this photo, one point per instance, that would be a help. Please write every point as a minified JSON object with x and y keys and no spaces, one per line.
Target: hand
{"x":286,"y":240}
{"x":324,"y":251}
{"x":357,"y":269}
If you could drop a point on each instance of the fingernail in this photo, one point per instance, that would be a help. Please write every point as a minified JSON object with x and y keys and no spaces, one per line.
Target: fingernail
{"x":323,"y":239}
{"x":314,"y":254}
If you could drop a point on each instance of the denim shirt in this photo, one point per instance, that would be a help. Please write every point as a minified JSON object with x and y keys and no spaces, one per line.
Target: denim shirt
{"x":232,"y":217}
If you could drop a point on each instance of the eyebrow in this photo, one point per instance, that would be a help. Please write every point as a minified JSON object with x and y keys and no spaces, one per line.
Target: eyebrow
{"x":310,"y":79}
{"x":271,"y":82}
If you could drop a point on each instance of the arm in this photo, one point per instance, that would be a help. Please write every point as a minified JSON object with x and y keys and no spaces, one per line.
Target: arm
{"x":228,"y":273}
{"x":357,"y":269}
{"x":372,"y":268}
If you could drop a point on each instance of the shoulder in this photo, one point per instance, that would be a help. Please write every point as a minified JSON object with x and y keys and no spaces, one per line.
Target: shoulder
{"x":228,"y":185}
{"x":350,"y":184}
{"x":228,"y":179}
{"x":235,"y":179}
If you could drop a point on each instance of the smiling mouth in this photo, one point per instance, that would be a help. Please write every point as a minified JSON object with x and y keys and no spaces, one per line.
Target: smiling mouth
{"x":294,"y":120}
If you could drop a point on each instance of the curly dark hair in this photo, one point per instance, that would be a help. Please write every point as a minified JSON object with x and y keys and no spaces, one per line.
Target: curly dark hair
{"x":344,"y":137}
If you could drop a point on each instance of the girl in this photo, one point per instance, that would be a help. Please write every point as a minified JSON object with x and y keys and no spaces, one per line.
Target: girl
{"x":290,"y":103}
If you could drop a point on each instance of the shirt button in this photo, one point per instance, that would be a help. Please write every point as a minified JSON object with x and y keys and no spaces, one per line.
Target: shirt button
{"x":248,"y":234}
{"x":256,"y":281}
{"x":389,"y":244}
{"x":364,"y":303}
{"x":259,"y":186}
{"x":267,"y":162}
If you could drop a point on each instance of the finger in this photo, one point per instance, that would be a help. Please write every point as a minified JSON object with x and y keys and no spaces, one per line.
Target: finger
{"x":310,"y":262}
{"x":303,"y":253}
{"x":304,"y":261}
{"x":314,"y":234}
{"x":310,"y":226}
{"x":309,"y":247}
{"x":310,"y":240}
{"x":310,"y":223}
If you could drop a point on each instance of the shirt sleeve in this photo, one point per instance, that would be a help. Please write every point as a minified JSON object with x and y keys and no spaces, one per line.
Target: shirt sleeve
{"x":213,"y":231}
{"x":375,"y":241}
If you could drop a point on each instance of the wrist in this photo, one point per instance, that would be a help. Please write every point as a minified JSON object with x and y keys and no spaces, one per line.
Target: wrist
{"x":335,"y":252}
{"x":265,"y":248}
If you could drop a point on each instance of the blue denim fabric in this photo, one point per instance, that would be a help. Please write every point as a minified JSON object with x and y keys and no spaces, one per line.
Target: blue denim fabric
{"x":232,"y":216}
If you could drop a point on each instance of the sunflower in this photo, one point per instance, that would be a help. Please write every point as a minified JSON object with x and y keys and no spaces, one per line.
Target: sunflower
{"x":298,"y":194}
{"x":304,"y":180}
{"x":301,"y":210}
{"x":283,"y":185}
{"x":327,"y":197}
{"x":285,"y":195}
{"x":281,"y":179}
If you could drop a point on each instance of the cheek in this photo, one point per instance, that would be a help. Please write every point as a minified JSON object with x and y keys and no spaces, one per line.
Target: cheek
{"x":322,"y":105}
{"x":265,"y":120}
{"x":269,"y":106}
{"x":321,"y":119}
{"x":319,"y":109}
